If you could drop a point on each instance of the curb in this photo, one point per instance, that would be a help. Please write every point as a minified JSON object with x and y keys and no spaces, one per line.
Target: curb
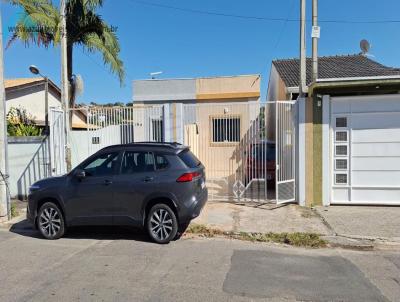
{"x":9,"y":223}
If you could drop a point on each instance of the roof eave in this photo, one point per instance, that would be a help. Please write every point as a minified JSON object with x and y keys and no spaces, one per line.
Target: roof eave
{"x":353,"y":82}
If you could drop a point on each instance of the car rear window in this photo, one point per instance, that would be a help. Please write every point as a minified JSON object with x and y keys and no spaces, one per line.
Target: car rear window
{"x":189,"y":159}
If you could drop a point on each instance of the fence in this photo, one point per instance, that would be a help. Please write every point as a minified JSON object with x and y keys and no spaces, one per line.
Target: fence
{"x":117,"y":125}
{"x":29,"y":161}
{"x":241,"y":144}
{"x":232,"y":142}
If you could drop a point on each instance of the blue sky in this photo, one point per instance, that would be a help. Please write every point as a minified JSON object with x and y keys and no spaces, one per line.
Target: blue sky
{"x":185,"y":44}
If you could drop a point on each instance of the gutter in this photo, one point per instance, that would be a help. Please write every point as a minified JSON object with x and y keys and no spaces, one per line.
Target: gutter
{"x":354,"y":82}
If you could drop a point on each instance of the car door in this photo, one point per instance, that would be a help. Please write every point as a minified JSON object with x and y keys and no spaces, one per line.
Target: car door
{"x":136,"y":180}
{"x":90,"y":198}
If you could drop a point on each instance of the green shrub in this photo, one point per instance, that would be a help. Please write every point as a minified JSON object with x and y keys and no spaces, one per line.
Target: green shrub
{"x":20,"y":123}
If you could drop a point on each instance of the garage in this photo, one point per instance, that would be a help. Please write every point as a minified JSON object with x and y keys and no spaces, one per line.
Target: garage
{"x":365,"y":149}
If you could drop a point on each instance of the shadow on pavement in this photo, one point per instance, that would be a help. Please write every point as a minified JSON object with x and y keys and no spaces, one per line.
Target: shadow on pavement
{"x":24,"y":228}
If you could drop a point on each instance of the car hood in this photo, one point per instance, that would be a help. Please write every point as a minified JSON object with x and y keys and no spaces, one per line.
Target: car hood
{"x":50,"y":181}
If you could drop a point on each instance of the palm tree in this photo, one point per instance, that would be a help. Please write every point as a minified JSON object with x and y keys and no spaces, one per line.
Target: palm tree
{"x":40,"y":24}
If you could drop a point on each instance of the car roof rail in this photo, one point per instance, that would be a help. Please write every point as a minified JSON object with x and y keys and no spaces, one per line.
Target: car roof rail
{"x":167,"y":144}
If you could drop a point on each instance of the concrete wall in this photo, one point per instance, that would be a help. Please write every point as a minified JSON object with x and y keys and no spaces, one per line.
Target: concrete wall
{"x":164,"y":90}
{"x":28,"y":162}
{"x":276,"y":87}
{"x":33,"y":100}
{"x":222,"y":88}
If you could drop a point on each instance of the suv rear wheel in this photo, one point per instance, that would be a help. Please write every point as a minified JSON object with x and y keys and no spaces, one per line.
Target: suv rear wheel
{"x":50,"y":221}
{"x":162,"y":224}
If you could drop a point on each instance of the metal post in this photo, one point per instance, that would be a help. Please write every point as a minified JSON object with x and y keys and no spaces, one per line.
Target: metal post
{"x":46,"y":104}
{"x":314,"y":41}
{"x":302,"y":83}
{"x":5,"y":206}
{"x":65,"y":82}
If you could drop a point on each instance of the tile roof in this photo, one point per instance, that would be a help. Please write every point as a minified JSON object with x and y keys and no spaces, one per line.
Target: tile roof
{"x":347,"y":66}
{"x":9,"y":83}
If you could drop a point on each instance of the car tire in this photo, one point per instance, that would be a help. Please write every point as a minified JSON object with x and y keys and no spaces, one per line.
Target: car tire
{"x":50,"y":221}
{"x":161,"y":223}
{"x":181,"y":230}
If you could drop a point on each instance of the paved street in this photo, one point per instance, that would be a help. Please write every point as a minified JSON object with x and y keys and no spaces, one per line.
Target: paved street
{"x":96,"y":264}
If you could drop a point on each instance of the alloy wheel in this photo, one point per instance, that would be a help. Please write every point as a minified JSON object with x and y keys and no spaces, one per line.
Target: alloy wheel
{"x":161,"y":224}
{"x":50,"y":222}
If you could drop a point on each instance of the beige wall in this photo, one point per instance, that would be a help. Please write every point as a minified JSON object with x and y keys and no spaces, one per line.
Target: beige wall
{"x":228,"y":87}
{"x":33,"y":100}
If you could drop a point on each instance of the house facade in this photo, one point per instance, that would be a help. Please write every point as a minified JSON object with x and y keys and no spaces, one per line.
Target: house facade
{"x":214,"y":116}
{"x":348,"y":129}
{"x":30,"y":93}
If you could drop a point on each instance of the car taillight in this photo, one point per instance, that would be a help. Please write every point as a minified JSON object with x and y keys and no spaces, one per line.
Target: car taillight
{"x":188,"y":177}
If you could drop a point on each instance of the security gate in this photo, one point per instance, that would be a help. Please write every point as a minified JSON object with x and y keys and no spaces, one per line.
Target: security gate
{"x":285,"y":127}
{"x":57,"y":142}
{"x":122,"y":125}
{"x":235,"y":143}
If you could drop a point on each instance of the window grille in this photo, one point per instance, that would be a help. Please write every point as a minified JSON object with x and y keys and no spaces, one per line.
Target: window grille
{"x":341,"y":179}
{"x":341,"y":122}
{"x":341,"y":164}
{"x":341,"y":136}
{"x":225,"y":129}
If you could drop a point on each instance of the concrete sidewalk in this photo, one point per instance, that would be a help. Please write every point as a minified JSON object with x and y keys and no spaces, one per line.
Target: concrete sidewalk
{"x":261,"y":218}
{"x":366,"y":222}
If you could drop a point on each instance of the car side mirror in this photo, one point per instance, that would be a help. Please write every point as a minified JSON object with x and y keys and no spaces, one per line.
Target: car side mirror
{"x":80,"y":174}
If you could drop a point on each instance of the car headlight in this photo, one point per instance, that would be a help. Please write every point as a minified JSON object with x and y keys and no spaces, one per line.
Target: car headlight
{"x":33,"y":188}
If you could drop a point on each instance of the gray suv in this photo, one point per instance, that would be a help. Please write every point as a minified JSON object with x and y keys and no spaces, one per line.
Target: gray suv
{"x":157,"y":186}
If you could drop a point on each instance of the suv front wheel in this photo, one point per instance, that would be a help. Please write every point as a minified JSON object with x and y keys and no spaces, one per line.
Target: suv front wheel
{"x":50,"y":221}
{"x":162,"y":224}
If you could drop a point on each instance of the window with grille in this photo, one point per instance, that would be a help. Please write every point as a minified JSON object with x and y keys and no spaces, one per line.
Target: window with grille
{"x":341,"y":179}
{"x":341,"y":136}
{"x":157,"y":130}
{"x":341,"y":150}
{"x":341,"y":122}
{"x":225,"y":129}
{"x":341,"y":164}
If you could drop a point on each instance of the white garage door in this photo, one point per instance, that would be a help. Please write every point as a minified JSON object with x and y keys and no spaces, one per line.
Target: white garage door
{"x":365,"y":141}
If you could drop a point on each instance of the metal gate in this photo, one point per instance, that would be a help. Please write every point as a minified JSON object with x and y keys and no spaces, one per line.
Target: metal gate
{"x":122,"y":125}
{"x":57,"y":142}
{"x":235,"y":142}
{"x":285,"y":126}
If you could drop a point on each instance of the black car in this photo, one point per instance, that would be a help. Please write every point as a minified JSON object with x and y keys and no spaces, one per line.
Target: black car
{"x":157,"y":186}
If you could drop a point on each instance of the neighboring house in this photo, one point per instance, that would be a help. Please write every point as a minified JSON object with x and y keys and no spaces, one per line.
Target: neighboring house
{"x":284,"y":75}
{"x":213,"y":115}
{"x":29,"y":93}
{"x":349,"y":129}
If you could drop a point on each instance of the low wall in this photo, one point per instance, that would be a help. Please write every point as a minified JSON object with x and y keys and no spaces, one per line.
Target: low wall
{"x":28,"y":159}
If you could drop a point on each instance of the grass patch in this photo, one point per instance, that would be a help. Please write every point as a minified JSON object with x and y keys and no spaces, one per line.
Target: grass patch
{"x":14,"y":210}
{"x":310,"y":240}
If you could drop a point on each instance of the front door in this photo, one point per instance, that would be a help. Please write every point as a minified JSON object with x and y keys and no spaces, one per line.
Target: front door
{"x":90,"y":199}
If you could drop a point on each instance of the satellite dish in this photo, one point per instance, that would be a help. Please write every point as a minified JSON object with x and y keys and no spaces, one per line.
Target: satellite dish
{"x":365,"y":47}
{"x":153,"y":75}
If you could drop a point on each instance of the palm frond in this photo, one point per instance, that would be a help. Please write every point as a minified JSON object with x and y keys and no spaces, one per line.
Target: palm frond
{"x":108,"y":46}
{"x":38,"y":24}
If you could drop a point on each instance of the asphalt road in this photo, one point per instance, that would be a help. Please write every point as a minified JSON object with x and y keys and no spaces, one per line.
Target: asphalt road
{"x":97,"y":264}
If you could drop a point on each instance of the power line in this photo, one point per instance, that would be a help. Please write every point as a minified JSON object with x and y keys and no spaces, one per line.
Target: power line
{"x":259,"y":18}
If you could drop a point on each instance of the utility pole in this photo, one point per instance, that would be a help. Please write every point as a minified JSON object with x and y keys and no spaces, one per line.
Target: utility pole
{"x":315,"y":37}
{"x":302,"y":83}
{"x":65,"y":82}
{"x":5,"y":206}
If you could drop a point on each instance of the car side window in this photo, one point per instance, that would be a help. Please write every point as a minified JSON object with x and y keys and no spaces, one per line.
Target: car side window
{"x":161,"y":162}
{"x":136,"y":162}
{"x":104,"y":164}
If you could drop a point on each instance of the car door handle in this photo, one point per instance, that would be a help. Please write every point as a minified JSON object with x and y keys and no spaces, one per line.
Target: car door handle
{"x":148,"y":178}
{"x":107,"y":182}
